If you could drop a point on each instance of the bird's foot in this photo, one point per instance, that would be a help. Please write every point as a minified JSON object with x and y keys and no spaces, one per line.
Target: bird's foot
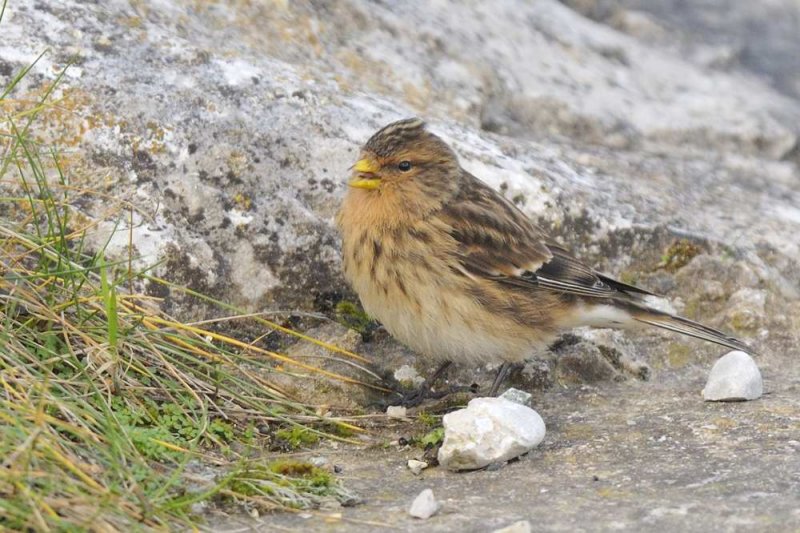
{"x":506,"y":370}
{"x":417,"y":396}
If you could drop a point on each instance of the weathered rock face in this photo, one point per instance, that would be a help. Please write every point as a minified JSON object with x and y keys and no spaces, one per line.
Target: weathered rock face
{"x":758,"y":36}
{"x":231,"y":127}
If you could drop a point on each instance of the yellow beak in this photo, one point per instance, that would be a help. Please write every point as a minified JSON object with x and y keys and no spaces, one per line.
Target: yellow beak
{"x":365,"y":171}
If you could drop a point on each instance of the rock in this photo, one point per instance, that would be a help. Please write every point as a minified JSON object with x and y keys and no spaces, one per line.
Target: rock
{"x":424,"y":505}
{"x":320,"y":462}
{"x":396,"y":411}
{"x":416,"y":467}
{"x":489,"y":430}
{"x":517,"y":396}
{"x":637,"y":24}
{"x":523,"y":526}
{"x":581,"y":361}
{"x":537,"y":374}
{"x":319,"y":389}
{"x":408,"y":375}
{"x":746,"y":309}
{"x":618,"y":350}
{"x":734,"y":377}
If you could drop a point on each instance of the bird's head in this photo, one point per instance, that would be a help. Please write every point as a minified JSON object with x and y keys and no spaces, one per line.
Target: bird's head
{"x":404,"y":157}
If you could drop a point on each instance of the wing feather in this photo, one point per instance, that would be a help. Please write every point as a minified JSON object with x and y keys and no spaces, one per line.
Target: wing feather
{"x":498,"y":242}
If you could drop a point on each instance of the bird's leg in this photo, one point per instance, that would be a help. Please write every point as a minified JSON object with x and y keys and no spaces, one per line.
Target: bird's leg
{"x":416,"y":396}
{"x":506,"y":369}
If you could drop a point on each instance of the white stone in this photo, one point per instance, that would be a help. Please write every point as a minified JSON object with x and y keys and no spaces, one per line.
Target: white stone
{"x":416,"y":466}
{"x":523,"y":526}
{"x":517,"y":396}
{"x":734,"y":377}
{"x":396,"y":411}
{"x":408,"y":374}
{"x":319,"y":461}
{"x":424,"y":505}
{"x":489,"y":430}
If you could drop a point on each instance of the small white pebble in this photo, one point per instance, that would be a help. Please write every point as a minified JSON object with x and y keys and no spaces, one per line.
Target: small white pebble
{"x":523,"y":526}
{"x":396,"y":411}
{"x":489,"y":431}
{"x":416,"y":467}
{"x":424,"y":505}
{"x":408,"y":374}
{"x":318,"y":461}
{"x":734,"y":377}
{"x":517,"y":396}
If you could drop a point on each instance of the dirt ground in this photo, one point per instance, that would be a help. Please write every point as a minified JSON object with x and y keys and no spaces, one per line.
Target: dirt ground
{"x":633,"y":456}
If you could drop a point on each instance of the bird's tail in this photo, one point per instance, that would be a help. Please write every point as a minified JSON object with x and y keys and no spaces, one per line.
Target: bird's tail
{"x":646,"y":315}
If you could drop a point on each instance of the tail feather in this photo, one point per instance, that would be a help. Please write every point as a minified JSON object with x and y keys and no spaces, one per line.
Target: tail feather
{"x":687,"y":327}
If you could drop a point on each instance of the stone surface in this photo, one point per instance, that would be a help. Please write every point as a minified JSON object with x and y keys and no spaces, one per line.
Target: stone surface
{"x":517,"y":396}
{"x":735,"y":377}
{"x":408,"y":375}
{"x":319,"y":389}
{"x":746,"y":309}
{"x":320,"y":462}
{"x":416,"y":467}
{"x":396,"y":411}
{"x":424,"y":505}
{"x":629,"y":456}
{"x":581,"y":361}
{"x":757,"y":37}
{"x":523,"y":526}
{"x":489,"y":430}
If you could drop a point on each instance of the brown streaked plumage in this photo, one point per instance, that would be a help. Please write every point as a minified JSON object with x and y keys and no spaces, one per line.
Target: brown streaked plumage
{"x":456,"y":272}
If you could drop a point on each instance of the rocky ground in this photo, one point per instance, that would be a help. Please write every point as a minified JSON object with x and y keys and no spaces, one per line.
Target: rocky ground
{"x":659,"y":143}
{"x":631,"y":456}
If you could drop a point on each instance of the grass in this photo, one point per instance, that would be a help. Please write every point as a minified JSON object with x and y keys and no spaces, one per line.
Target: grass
{"x":109,"y":407}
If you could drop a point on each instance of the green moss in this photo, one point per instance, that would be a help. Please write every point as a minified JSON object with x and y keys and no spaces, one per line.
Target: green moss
{"x":281,"y":473}
{"x":678,"y":255}
{"x":317,"y":477}
{"x":427,"y":419}
{"x":285,"y":482}
{"x":338,"y":429}
{"x":743,"y":321}
{"x":353,"y":317}
{"x":727,"y":253}
{"x":432,"y":438}
{"x":296,"y":437}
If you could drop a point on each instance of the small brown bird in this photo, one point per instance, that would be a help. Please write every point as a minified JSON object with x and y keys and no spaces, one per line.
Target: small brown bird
{"x":457,"y":273}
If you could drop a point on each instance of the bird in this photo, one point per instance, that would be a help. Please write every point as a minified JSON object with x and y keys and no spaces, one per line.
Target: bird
{"x":458,"y":273}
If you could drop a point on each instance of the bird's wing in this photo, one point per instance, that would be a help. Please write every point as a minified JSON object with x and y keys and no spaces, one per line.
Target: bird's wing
{"x":497,"y":241}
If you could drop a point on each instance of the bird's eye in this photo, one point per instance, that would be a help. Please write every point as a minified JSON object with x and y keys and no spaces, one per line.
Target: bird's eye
{"x":404,"y":166}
